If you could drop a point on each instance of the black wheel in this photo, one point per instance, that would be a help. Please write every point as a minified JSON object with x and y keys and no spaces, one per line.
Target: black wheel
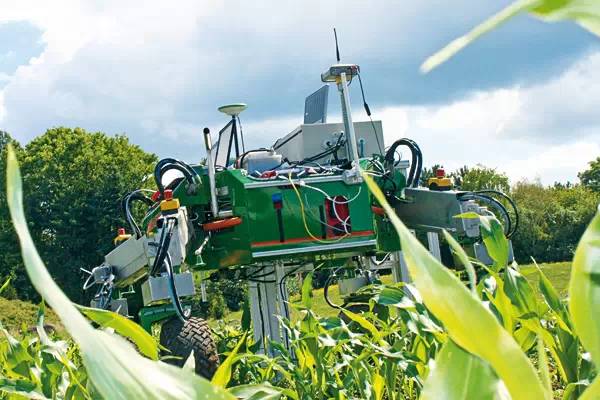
{"x":182,"y":338}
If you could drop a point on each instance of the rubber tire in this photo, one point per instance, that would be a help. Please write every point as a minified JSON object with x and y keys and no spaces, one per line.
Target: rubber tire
{"x":182,"y":338}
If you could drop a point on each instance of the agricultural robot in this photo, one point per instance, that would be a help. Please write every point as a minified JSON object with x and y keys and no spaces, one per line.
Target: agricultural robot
{"x":265,"y":214}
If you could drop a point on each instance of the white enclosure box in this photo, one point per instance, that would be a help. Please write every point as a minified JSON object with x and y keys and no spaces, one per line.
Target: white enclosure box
{"x":310,"y":139}
{"x":156,"y":289}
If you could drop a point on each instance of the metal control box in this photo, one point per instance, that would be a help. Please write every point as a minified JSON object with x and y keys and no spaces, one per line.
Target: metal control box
{"x":129,"y":260}
{"x":310,"y":139}
{"x":156,"y":289}
{"x":432,"y":210}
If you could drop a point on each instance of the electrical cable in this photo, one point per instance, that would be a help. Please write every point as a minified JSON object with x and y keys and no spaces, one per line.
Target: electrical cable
{"x":181,"y":313}
{"x":326,"y":290}
{"x":304,"y":217}
{"x":379,"y":263}
{"x":241,"y":132}
{"x":284,"y":298}
{"x":262,"y":317}
{"x":334,"y":201}
{"x":368,"y":111}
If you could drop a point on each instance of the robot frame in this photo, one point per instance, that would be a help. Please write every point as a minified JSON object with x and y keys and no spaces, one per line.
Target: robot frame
{"x":265,"y":214}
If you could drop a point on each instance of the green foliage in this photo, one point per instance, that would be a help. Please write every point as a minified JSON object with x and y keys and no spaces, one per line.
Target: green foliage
{"x":74,"y":181}
{"x":591,"y":177}
{"x":480,"y":177}
{"x":18,"y":317}
{"x":115,"y":368}
{"x":479,"y":339}
{"x":552,"y":219}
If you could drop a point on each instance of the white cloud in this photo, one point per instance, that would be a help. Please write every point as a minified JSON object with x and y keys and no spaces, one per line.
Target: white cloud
{"x":548,"y":131}
{"x":158,"y":71}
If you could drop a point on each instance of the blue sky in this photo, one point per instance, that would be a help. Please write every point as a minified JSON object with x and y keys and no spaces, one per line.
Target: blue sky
{"x":523,"y":99}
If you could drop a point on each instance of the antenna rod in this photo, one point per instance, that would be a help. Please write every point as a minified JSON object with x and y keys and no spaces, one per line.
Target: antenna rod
{"x":337,"y":48}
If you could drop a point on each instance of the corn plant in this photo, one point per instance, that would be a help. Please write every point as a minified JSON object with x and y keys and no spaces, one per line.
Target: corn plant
{"x":113,"y":367}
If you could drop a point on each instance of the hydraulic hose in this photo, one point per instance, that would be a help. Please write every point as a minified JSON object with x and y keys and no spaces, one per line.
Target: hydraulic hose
{"x":173,"y":163}
{"x":163,"y":245}
{"x":183,"y":316}
{"x":326,"y":292}
{"x":484,"y":195}
{"x":136,"y":195}
{"x":416,"y":166}
{"x":512,"y":203}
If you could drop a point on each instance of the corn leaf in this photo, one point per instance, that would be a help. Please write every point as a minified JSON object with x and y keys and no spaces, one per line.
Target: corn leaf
{"x":543,"y":366}
{"x":364,"y":323}
{"x":592,"y":392}
{"x":307,"y":291}
{"x":115,"y":368}
{"x":4,"y":285}
{"x":459,"y":375}
{"x":378,"y":386}
{"x":584,"y":291}
{"x":584,"y":12}
{"x":464,"y":259}
{"x":495,"y":241}
{"x":146,"y":344}
{"x":468,"y":322}
{"x":223,"y":374}
{"x":20,"y":388}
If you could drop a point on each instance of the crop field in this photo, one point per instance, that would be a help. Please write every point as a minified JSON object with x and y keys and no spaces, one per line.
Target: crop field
{"x":557,"y":273}
{"x":254,"y":274}
{"x":17,"y":315}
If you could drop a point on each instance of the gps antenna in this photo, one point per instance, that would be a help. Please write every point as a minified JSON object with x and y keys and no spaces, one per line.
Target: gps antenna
{"x":337,"y":48}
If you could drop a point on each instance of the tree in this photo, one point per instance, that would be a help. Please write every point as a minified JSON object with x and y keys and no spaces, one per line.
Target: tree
{"x":480,"y":177}
{"x":73,"y":182}
{"x":591,"y":177}
{"x":552,"y":219}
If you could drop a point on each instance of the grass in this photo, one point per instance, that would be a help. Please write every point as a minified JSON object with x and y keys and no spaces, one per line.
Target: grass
{"x":558,"y":273}
{"x":17,"y":314}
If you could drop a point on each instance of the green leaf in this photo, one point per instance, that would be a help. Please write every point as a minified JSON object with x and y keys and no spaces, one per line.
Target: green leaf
{"x":458,"y":44}
{"x":593,"y":391}
{"x":20,"y":387}
{"x":459,"y":375}
{"x":468,"y":322}
{"x":307,"y":290}
{"x":495,"y":242}
{"x":223,"y":374}
{"x":464,"y":259}
{"x":543,"y":367}
{"x":520,"y":293}
{"x":378,"y":386}
{"x":115,"y":368}
{"x":124,"y":327}
{"x":261,"y":391}
{"x":553,"y":300}
{"x":584,"y":290}
{"x":4,"y":285}
{"x":584,"y":12}
{"x":364,"y":323}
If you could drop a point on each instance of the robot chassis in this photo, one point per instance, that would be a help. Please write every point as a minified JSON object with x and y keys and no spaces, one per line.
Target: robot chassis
{"x":264,"y":215}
